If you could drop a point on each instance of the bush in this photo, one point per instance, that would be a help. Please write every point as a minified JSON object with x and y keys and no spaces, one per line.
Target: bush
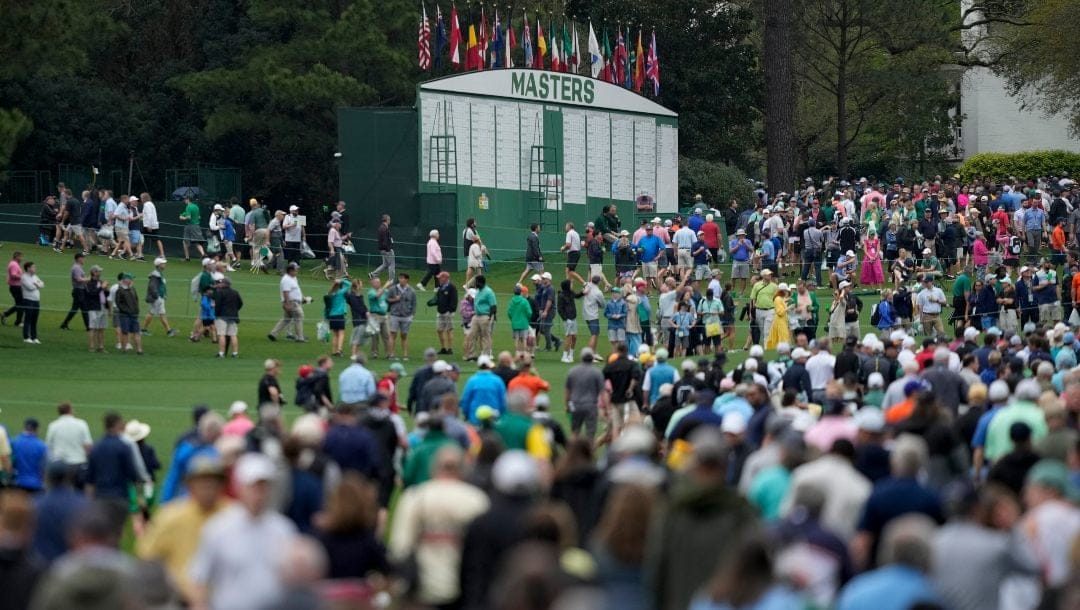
{"x":1023,"y":166}
{"x":716,"y":182}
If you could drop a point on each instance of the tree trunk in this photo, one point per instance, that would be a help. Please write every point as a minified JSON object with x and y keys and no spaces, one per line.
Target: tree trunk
{"x":780,"y":142}
{"x":841,"y":97}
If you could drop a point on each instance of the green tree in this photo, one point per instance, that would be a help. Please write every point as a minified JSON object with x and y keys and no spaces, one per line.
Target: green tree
{"x":42,"y":40}
{"x":274,"y":103}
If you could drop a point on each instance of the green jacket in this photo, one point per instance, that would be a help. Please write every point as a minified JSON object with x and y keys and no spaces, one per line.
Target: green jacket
{"x":520,"y":312}
{"x":418,"y":465}
{"x":514,"y":429}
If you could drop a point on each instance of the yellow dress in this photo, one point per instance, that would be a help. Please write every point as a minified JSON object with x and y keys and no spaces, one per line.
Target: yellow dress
{"x":780,"y":331}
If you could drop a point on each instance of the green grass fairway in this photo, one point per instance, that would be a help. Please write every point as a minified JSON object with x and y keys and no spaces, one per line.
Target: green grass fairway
{"x":161,"y":386}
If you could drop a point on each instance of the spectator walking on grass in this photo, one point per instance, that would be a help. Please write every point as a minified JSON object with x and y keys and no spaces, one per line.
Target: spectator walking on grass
{"x":402,"y":300}
{"x":292,"y":302}
{"x":156,"y":292}
{"x":227,"y":306}
{"x":31,"y":301}
{"x":127,"y":306}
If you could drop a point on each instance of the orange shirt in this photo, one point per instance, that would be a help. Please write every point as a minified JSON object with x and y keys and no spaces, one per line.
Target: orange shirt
{"x":1076,"y":286}
{"x":528,"y":381}
{"x":1057,"y":238}
{"x":900,"y":411}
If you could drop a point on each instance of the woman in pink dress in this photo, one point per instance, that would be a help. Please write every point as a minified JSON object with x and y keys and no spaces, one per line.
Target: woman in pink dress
{"x":872,"y":274}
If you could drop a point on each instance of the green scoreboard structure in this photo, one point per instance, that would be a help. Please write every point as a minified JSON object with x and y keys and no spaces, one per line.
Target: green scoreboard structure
{"x":509,"y":148}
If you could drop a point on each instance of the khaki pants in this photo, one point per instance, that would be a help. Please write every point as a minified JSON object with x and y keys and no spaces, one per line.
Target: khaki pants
{"x":294,"y":316}
{"x":479,"y":336}
{"x":932,"y":320}
{"x":383,"y":334}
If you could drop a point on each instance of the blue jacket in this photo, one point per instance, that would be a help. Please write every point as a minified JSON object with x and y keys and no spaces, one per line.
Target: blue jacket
{"x":28,"y":453}
{"x":615,"y":307}
{"x":483,"y":388}
{"x":886,"y":314}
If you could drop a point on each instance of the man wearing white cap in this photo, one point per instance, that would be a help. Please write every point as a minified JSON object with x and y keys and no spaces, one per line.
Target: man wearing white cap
{"x":740,"y":248}
{"x":155,"y":296}
{"x":243,"y":548}
{"x":846,"y":266}
{"x":293,"y":227}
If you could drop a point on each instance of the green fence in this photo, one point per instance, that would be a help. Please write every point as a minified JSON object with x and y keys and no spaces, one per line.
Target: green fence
{"x":25,"y":186}
{"x":214,"y":183}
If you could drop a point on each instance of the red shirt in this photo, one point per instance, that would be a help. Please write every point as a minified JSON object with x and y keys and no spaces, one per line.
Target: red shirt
{"x":712,"y":234}
{"x":925,"y":357}
{"x":388,"y":386}
{"x":1001,"y":216}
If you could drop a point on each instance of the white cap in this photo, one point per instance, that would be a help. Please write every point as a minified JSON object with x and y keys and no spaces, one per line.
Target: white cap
{"x":897,"y":335}
{"x":535,"y":277}
{"x":970,"y":333}
{"x":688,"y":365}
{"x":237,"y":408}
{"x":783,"y":347}
{"x":750,"y":364}
{"x":484,"y":361}
{"x":218,"y":208}
{"x":252,"y":468}
{"x":206,"y":261}
{"x":850,"y":253}
{"x":844,"y":284}
{"x":908,"y":342}
{"x":783,"y":286}
{"x":799,"y":353}
{"x":875,"y":380}
{"x":869,"y":340}
{"x":516,"y":473}
{"x":870,"y":419}
{"x":293,"y":208}
{"x":440,"y":366}
{"x":159,"y":261}
{"x":734,"y":423}
{"x":926,"y":251}
{"x":656,"y":220}
{"x":756,"y":351}
{"x":546,"y":275}
{"x":132,"y":199}
{"x":471,"y":292}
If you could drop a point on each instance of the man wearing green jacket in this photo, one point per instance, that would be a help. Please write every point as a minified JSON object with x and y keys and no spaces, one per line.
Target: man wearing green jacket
{"x":1021,"y":409}
{"x":418,"y":465}
{"x":520,"y":312}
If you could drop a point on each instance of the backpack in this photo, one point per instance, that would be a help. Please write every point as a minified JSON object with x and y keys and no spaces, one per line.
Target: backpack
{"x":304,"y":390}
{"x":875,"y":315}
{"x":194,"y":288}
{"x":1015,"y":246}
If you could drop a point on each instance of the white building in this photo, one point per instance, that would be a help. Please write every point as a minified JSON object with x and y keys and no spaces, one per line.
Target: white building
{"x":995,"y":121}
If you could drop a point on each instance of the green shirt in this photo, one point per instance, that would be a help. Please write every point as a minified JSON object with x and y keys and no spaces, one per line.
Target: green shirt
{"x":997,"y":435}
{"x":337,"y":302}
{"x":961,"y":285}
{"x":762,"y":294}
{"x":710,"y":310}
{"x":376,"y":302}
{"x":192,"y":213}
{"x":768,"y":490}
{"x":418,"y":465}
{"x":827,"y":213}
{"x":514,"y":429}
{"x":205,"y":281}
{"x":519,"y":312}
{"x":485,"y":300}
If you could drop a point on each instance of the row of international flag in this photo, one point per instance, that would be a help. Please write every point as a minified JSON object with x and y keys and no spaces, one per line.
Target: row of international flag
{"x":482,"y":48}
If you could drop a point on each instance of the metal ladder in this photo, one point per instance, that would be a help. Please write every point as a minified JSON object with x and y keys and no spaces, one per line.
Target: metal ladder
{"x":545,"y":200}
{"x":442,"y":158}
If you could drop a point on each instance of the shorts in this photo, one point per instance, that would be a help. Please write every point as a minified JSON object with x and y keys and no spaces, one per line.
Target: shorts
{"x":686,"y":260}
{"x":399,"y":324}
{"x":701,"y":272}
{"x":537,"y":266}
{"x":617,"y":334}
{"x":207,"y":322}
{"x":740,"y":270}
{"x":121,"y":234}
{"x":336,"y":322}
{"x":572,"y":259}
{"x":359,"y":335}
{"x":89,"y":234}
{"x":128,"y":324}
{"x":569,"y":327}
{"x":192,"y":233}
{"x":595,"y":270}
{"x":444,"y":322}
{"x":136,"y":237}
{"x":227,"y":329}
{"x":96,"y":320}
{"x":650,"y":270}
{"x":149,"y":232}
{"x":75,"y":229}
{"x":593,"y":326}
{"x":116,"y":320}
{"x":682,"y":342}
{"x":520,"y":335}
{"x":157,"y":308}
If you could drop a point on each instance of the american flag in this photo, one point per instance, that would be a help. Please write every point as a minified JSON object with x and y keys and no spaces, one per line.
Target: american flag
{"x":652,"y":66}
{"x":424,"y":42}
